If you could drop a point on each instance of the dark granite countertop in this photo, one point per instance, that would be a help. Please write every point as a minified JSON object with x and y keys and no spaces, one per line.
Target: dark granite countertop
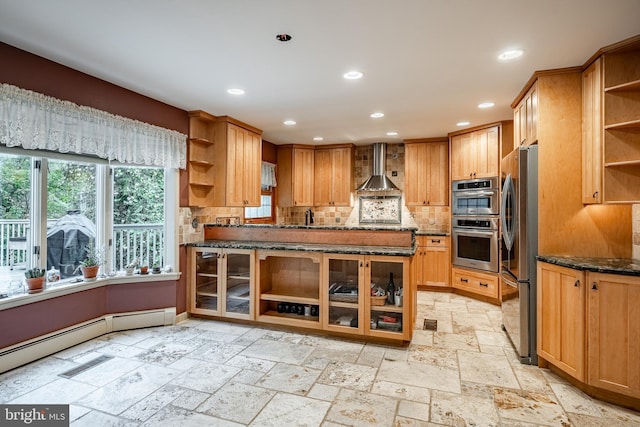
{"x":627,"y":266}
{"x":308,"y":247}
{"x":372,"y":227}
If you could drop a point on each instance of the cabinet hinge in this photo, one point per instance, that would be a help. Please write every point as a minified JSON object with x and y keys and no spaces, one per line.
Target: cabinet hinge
{"x":37,"y":164}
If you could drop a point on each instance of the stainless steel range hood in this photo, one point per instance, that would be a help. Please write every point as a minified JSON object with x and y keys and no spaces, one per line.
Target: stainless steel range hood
{"x":378,"y":181}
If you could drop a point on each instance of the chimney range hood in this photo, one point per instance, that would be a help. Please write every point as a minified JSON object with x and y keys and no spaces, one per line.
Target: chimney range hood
{"x":378,"y":181}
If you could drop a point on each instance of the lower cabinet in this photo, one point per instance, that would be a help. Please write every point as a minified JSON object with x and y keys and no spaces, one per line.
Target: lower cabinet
{"x":477,"y":282}
{"x":613,"y":333}
{"x":589,"y":326}
{"x":432,"y":261}
{"x":561,"y":315}
{"x":288,"y":288}
{"x":313,"y":290}
{"x":350,"y":306}
{"x":221,"y":283}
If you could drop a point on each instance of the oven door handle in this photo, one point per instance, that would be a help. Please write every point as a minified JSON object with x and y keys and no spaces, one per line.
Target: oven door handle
{"x":474,"y":193}
{"x":462,"y":231}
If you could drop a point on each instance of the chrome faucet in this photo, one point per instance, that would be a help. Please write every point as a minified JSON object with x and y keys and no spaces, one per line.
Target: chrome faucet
{"x":308,"y":217}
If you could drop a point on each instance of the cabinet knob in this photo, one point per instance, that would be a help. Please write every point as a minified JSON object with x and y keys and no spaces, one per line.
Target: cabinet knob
{"x":464,"y":280}
{"x":595,"y":194}
{"x":577,"y":283}
{"x":435,"y":241}
{"x":361,"y":263}
{"x":367,"y":265}
{"x":594,"y":286}
{"x":486,"y":285}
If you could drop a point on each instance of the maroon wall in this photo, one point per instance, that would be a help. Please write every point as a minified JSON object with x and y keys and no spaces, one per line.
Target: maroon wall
{"x":28,"y":71}
{"x":43,"y":317}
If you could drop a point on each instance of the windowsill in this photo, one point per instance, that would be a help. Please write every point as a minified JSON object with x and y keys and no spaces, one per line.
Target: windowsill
{"x":66,"y":287}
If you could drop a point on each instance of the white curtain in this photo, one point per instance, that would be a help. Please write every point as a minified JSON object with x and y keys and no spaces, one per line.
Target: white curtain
{"x":268,"y":177}
{"x":32,"y":120}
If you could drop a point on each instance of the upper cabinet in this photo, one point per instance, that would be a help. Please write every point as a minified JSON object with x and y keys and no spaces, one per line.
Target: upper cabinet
{"x":333,"y":175}
{"x":295,"y":175}
{"x":476,"y":153}
{"x":200,"y":155}
{"x":525,"y":118}
{"x":238,"y":149}
{"x":224,"y":159}
{"x":621,"y":125}
{"x":592,"y":133}
{"x":427,"y":172}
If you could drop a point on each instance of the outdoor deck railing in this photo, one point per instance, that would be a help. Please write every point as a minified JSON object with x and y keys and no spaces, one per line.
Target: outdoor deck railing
{"x":142,"y":242}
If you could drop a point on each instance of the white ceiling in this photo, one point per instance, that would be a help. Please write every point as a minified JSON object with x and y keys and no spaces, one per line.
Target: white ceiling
{"x":426,"y":63}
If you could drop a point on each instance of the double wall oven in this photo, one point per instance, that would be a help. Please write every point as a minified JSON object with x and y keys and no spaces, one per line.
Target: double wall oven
{"x":475,"y":231}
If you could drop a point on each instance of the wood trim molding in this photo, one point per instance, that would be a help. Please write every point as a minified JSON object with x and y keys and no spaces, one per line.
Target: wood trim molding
{"x":539,"y":73}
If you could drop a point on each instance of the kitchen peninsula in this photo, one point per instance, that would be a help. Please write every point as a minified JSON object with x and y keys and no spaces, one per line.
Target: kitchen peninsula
{"x":316,"y":277}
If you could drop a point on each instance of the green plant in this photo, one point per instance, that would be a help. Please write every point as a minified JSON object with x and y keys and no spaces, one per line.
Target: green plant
{"x":34,"y":273}
{"x":94,"y":257}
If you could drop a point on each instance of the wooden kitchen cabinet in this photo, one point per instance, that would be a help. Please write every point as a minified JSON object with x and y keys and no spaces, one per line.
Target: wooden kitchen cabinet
{"x":238,"y":151}
{"x":287,"y":280}
{"x":525,"y":118}
{"x":221,"y":282}
{"x":476,"y":282}
{"x":427,"y":172}
{"x":348,"y":306}
{"x":333,"y":175}
{"x":432,"y":261}
{"x":476,"y":153}
{"x":295,"y":175}
{"x":561,"y":297}
{"x":200,"y":160}
{"x":592,"y":133}
{"x":613,"y":313}
{"x":621,"y":125}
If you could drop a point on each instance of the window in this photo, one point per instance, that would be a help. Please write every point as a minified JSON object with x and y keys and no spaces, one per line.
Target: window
{"x":265,"y":213}
{"x":53,"y":208}
{"x":138,"y":216}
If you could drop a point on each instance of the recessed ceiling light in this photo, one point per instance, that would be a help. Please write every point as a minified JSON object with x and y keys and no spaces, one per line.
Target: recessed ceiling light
{"x":318,"y":138}
{"x":235,"y":91}
{"x":376,"y":115}
{"x":463,"y":124}
{"x":289,"y":122}
{"x":508,"y":55}
{"x":283,"y":37}
{"x":486,"y":105}
{"x":392,"y":133}
{"x":352,"y":75}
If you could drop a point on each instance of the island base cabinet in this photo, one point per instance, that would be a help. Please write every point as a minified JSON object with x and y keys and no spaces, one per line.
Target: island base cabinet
{"x":288,"y":288}
{"x":613,"y":308}
{"x":221,"y":282}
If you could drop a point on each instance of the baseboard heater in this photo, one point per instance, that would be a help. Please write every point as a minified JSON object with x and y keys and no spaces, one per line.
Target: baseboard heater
{"x":45,"y":345}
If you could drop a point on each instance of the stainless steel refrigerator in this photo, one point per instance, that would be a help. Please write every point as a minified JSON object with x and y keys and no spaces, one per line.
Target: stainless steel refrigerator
{"x":519,"y":222}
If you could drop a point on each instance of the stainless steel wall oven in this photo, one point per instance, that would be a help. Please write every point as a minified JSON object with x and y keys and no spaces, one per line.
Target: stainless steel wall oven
{"x":476,"y":242}
{"x":475,"y":231}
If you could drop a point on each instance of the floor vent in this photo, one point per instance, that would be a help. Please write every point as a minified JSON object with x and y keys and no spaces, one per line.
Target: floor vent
{"x":430,"y":325}
{"x":85,"y":366}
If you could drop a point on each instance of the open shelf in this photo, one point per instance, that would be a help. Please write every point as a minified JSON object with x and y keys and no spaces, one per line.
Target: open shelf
{"x":632,"y":85}
{"x":297,"y":299}
{"x":201,"y":141}
{"x":631,"y":124}
{"x":389,"y":308}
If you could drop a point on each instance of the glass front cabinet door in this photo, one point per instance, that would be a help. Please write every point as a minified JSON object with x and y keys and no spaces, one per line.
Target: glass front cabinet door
{"x":352,"y":305}
{"x":344,"y":283}
{"x":388,"y":317}
{"x":221,"y":282}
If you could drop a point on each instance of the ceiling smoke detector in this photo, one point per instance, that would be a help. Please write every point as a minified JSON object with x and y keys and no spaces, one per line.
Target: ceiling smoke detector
{"x":283,"y":37}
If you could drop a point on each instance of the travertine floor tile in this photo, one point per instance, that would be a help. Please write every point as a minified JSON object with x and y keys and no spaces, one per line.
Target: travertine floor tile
{"x":488,"y":369}
{"x":237,"y":402}
{"x":356,"y":408}
{"x":290,"y":378}
{"x":291,"y":410}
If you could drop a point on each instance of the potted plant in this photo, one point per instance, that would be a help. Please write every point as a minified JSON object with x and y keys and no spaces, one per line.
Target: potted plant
{"x":91,"y":263}
{"x":35,"y":279}
{"x":130,"y":268}
{"x":155,"y":269}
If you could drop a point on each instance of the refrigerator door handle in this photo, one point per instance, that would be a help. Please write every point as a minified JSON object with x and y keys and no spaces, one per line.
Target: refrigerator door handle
{"x":508,"y":278}
{"x":508,"y":224}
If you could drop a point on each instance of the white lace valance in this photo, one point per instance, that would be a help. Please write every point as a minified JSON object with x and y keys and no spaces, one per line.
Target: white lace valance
{"x":32,"y":120}
{"x":268,"y":176}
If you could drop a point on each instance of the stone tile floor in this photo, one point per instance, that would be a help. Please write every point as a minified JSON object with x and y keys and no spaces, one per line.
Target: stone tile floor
{"x":211,"y":373}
